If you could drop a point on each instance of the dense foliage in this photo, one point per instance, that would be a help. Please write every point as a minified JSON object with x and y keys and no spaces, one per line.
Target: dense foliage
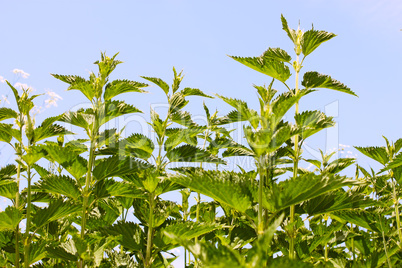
{"x":78,"y":213}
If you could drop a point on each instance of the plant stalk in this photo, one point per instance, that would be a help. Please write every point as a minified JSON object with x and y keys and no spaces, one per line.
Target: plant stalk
{"x":398,"y":219}
{"x":88,"y":181}
{"x":27,"y":239}
{"x":260,"y":226}
{"x":295,"y":168}
{"x":150,"y":231}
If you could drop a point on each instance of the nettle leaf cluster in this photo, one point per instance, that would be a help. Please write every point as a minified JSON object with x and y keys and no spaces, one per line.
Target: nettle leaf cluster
{"x":101,"y":203}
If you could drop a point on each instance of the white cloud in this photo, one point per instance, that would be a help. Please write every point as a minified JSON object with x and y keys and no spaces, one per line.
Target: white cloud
{"x":53,"y":99}
{"x":2,"y":80}
{"x":21,"y":72}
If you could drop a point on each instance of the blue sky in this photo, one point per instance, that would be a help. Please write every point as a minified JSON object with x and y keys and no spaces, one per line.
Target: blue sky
{"x":66,"y":37}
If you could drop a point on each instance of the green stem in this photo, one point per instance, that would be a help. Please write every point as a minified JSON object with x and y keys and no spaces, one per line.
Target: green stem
{"x":295,"y":168}
{"x":353,"y":246}
{"x":88,"y":181}
{"x":27,"y":239}
{"x":398,"y":220}
{"x":17,"y":229}
{"x":150,"y":231}
{"x":260,"y":225}
{"x":385,"y":246}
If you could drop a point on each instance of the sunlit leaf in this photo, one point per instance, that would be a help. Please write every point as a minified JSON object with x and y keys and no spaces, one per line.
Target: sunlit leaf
{"x":313,"y":38}
{"x":317,"y":80}
{"x":118,"y":87}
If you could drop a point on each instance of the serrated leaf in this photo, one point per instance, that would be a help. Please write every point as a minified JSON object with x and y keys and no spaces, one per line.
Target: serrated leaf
{"x":41,"y":133}
{"x":311,"y":122}
{"x":277,"y":54}
{"x":189,"y":153}
{"x":116,"y":166}
{"x":290,"y":32}
{"x":378,"y":154}
{"x":336,"y":201}
{"x":244,"y":113}
{"x":33,"y":154}
{"x":225,"y":187}
{"x":130,"y":235}
{"x":305,"y":187}
{"x":185,"y":135}
{"x":182,"y":118}
{"x":9,"y":190}
{"x":268,"y":66}
{"x":194,"y":92}
{"x":110,"y":188}
{"x":79,"y":119}
{"x":361,"y":218}
{"x":317,"y":80}
{"x":68,"y":157}
{"x":118,"y":87}
{"x":60,"y":185}
{"x":10,"y":218}
{"x":78,"y":83}
{"x":177,"y":102}
{"x":56,"y":210}
{"x":7,"y":113}
{"x":159,"y":82}
{"x":112,"y":109}
{"x":312,"y":39}
{"x":7,"y":132}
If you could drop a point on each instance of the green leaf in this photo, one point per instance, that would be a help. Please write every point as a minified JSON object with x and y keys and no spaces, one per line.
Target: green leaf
{"x":9,"y":190}
{"x":194,"y":92}
{"x":378,"y":154}
{"x":311,"y":122}
{"x":263,"y":141}
{"x":7,"y":113}
{"x":10,"y":218}
{"x":159,"y":82}
{"x":33,"y":154}
{"x":7,"y":132}
{"x":338,"y":165}
{"x":277,"y":54}
{"x":57,"y":209}
{"x":112,"y":109}
{"x":180,"y":135}
{"x":225,"y":187}
{"x":110,"y":188}
{"x":312,"y":39}
{"x":176,"y":80}
{"x":188,"y":230}
{"x":290,"y":32}
{"x":269,"y":66}
{"x":244,"y":113}
{"x":316,"y":80}
{"x":177,"y":102}
{"x":365,"y":219}
{"x":118,"y":87}
{"x":60,"y":185}
{"x":37,"y":251}
{"x":6,"y":173}
{"x":116,"y":166}
{"x":78,"y":83}
{"x":297,"y":190}
{"x":41,"y":133}
{"x":209,"y":255}
{"x":130,"y":235}
{"x":68,"y":157}
{"x":336,"y":201}
{"x":182,"y":118}
{"x":79,"y":119}
{"x":189,"y":153}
